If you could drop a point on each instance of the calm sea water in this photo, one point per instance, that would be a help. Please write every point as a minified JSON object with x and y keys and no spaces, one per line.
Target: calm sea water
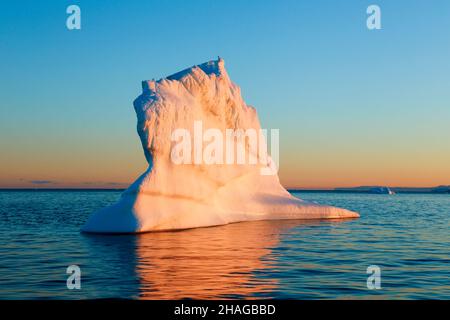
{"x":406,"y":235}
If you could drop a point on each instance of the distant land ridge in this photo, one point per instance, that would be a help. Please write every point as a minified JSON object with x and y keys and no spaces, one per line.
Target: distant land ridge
{"x":367,"y":189}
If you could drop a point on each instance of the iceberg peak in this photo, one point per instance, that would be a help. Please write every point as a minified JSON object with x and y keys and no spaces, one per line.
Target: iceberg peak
{"x":212,"y":68}
{"x":216,"y":67}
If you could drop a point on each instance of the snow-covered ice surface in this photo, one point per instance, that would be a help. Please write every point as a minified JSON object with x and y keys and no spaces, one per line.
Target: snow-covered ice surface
{"x":171,"y":196}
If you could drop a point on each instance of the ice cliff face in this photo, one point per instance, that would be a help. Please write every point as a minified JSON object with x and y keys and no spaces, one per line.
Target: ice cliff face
{"x":194,"y":193}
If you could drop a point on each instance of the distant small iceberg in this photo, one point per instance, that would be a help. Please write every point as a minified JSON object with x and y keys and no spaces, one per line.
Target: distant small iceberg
{"x":381,"y":190}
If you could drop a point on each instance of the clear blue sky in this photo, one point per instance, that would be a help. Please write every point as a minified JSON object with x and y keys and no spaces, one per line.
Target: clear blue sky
{"x":354,"y":106}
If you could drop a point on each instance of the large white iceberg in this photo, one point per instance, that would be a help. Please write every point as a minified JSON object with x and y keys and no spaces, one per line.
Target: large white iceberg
{"x":170,"y":195}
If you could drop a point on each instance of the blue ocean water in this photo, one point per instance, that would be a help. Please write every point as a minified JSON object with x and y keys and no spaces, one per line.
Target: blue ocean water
{"x":406,"y":236}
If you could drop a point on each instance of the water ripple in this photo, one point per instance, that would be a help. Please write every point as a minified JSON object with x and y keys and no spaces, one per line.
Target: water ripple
{"x":405,"y":235}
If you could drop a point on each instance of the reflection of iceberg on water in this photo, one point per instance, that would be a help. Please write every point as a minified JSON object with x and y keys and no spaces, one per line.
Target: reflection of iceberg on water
{"x":381,"y":190}
{"x":208,"y":263}
{"x":178,"y":196}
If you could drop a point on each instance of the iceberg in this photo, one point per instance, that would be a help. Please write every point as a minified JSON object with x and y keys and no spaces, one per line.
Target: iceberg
{"x":381,"y":190}
{"x":173,"y":196}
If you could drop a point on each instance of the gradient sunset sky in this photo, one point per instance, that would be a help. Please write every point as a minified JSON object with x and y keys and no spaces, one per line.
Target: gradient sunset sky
{"x":354,"y":106}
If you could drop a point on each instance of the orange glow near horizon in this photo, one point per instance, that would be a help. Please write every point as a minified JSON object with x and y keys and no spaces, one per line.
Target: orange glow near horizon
{"x":308,"y":162}
{"x":316,"y":171}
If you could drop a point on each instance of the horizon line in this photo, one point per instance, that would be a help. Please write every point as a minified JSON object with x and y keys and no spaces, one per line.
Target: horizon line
{"x":288,"y":188}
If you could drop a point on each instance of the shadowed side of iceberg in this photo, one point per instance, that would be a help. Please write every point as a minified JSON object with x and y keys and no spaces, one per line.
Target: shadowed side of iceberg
{"x":117,"y":218}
